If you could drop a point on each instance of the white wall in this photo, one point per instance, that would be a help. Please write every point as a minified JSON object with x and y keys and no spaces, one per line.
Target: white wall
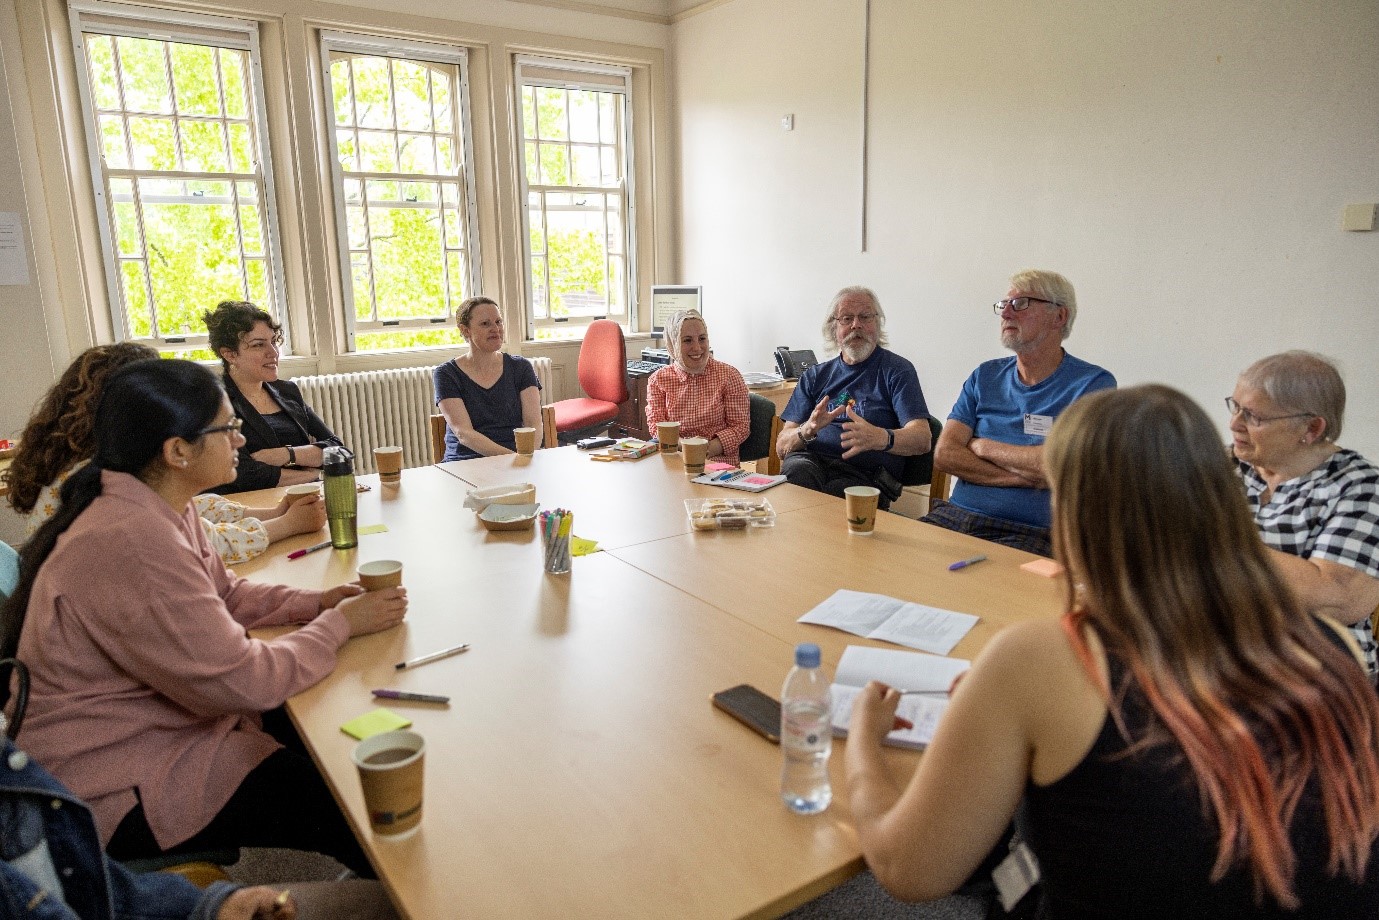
{"x":1185,"y":164}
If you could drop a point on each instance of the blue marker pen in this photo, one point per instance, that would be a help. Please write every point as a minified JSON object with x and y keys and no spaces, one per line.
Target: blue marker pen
{"x":964,"y":563}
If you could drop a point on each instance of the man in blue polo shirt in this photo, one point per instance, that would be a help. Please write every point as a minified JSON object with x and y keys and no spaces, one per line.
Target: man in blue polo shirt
{"x":853,"y":420}
{"x":993,"y":441}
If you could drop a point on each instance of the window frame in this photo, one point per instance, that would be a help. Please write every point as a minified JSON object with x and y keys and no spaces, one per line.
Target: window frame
{"x":177,"y":26}
{"x":572,"y":70}
{"x":334,"y":40}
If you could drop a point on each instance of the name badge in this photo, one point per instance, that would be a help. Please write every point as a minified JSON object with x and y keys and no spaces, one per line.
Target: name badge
{"x":1016,"y":875}
{"x":1038,"y":424}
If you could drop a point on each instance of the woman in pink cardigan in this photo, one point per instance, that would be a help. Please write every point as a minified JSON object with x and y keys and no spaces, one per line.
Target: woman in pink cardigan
{"x":148,"y":693}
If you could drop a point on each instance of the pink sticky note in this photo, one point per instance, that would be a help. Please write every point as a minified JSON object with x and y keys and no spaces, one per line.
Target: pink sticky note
{"x":1046,"y":567}
{"x":717,"y":466}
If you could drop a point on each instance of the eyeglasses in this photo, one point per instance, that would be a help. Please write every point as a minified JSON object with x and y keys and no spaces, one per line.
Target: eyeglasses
{"x":1019,"y":304}
{"x":232,"y":426}
{"x":848,"y":320}
{"x":1254,"y":421}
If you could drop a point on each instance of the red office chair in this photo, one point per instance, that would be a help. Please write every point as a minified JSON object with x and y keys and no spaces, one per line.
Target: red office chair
{"x":602,"y":376}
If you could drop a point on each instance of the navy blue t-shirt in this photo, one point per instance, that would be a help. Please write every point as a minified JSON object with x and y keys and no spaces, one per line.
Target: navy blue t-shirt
{"x":884,"y":390}
{"x":494,"y":412}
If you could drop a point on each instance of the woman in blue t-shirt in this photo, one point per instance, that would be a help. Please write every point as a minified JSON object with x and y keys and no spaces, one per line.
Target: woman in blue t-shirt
{"x":485,"y":394}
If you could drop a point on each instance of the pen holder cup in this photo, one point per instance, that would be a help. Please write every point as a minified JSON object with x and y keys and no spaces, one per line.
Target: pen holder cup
{"x":557,"y":561}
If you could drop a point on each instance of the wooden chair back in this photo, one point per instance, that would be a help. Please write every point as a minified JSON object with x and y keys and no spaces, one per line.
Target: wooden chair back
{"x":770,"y":464}
{"x":549,"y":436}
{"x":939,"y":485}
{"x":437,"y":438}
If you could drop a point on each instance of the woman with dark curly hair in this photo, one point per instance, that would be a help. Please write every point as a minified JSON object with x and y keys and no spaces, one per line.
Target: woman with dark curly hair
{"x":59,"y":431}
{"x":58,"y":440}
{"x":283,"y":438}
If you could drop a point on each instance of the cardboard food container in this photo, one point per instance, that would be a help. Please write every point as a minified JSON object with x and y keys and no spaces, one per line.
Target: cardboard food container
{"x":509,"y":517}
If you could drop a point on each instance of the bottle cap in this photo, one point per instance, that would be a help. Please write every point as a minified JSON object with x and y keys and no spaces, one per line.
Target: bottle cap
{"x":807,"y":655}
{"x":337,"y":461}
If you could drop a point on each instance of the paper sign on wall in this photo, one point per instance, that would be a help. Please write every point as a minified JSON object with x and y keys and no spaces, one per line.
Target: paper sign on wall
{"x":14,"y":263}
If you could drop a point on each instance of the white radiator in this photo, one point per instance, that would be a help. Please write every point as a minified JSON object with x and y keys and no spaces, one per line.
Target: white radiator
{"x":372,"y":409}
{"x":542,"y":366}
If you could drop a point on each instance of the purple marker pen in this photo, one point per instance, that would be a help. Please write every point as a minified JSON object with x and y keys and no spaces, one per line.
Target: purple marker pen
{"x":411,"y":697}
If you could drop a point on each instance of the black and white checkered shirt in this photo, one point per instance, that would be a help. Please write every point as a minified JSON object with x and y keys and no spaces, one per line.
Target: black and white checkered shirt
{"x":1331,"y":513}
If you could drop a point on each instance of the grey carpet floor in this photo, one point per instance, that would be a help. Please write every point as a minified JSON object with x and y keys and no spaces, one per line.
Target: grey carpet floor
{"x":860,"y":897}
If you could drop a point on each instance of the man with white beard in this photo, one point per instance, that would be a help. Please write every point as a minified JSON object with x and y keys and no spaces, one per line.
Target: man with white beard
{"x":854,"y":419}
{"x":993,"y":441}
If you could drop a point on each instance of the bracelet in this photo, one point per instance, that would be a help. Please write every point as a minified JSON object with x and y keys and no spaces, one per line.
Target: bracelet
{"x":291,"y":456}
{"x":808,"y":439}
{"x":890,"y":440}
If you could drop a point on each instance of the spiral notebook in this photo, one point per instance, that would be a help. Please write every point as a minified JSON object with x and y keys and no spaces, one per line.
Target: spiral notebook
{"x":740,"y":479}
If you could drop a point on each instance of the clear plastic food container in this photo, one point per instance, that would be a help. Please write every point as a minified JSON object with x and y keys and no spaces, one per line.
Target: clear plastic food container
{"x":729,"y":513}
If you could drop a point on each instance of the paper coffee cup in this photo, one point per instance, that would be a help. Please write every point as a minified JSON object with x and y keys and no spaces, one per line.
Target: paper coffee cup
{"x":302,"y":490}
{"x":668,"y":436}
{"x":391,"y":771}
{"x":383,"y":573}
{"x":389,"y":463}
{"x":695,"y":451}
{"x":861,"y":508}
{"x":526,"y":440}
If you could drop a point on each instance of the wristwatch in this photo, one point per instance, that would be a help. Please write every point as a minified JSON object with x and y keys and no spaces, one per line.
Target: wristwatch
{"x":890,"y":441}
{"x":291,"y":456}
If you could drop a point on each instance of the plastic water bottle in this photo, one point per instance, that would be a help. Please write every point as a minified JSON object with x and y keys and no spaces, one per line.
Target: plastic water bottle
{"x":342,"y":502}
{"x":806,"y":734}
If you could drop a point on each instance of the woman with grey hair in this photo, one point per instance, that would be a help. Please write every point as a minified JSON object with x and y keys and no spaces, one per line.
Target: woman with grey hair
{"x":1315,"y":502}
{"x":707,"y":397}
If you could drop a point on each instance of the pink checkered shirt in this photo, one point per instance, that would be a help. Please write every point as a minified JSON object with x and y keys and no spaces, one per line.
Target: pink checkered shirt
{"x":708,"y":405}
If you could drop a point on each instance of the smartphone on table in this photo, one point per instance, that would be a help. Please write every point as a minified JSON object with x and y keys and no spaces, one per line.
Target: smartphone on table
{"x":751,"y":707}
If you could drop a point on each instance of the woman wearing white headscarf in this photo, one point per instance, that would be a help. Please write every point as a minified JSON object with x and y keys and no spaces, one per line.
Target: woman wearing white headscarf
{"x":707,"y":397}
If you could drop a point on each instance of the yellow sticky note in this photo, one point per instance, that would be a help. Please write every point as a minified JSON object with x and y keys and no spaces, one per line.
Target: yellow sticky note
{"x":374,"y":723}
{"x":373,"y":528}
{"x":582,"y":547}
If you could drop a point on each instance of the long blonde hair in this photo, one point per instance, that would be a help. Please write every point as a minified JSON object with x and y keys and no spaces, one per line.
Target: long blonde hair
{"x":1164,"y":562}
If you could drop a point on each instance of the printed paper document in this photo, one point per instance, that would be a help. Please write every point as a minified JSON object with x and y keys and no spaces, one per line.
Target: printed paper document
{"x":877,"y":616}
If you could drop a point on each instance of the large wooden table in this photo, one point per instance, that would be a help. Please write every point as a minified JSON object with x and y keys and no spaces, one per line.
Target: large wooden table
{"x":580,"y":770}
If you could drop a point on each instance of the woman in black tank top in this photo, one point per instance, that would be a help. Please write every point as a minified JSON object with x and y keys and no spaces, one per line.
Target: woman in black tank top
{"x":1188,"y":741}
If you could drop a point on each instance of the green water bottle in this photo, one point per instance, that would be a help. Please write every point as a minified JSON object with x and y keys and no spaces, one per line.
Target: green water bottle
{"x":342,"y":502}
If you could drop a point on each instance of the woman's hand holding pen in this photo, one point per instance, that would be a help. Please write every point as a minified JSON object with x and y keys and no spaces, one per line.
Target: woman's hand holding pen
{"x":374,"y":611}
{"x":873,"y":713}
